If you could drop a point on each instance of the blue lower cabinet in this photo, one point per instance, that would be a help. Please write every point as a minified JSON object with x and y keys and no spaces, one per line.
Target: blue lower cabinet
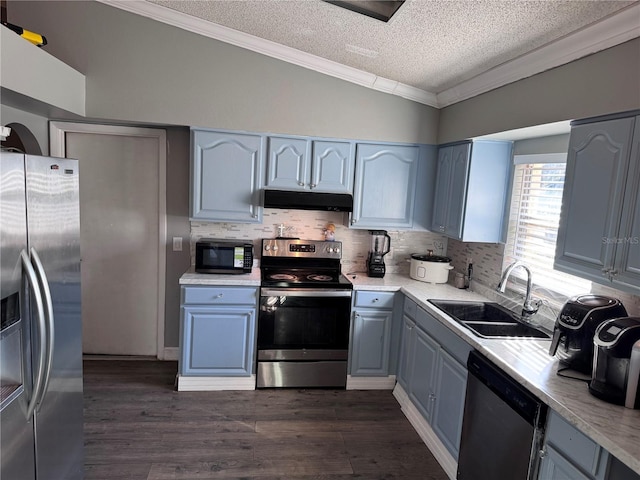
{"x":404,"y":365}
{"x":555,"y":466}
{"x":370,"y":342}
{"x":370,"y":346}
{"x":217,"y":331}
{"x":423,"y":368}
{"x":451,"y":385}
{"x":432,"y":373}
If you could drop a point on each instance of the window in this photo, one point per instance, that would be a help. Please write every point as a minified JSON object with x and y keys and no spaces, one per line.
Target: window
{"x":533,"y":221}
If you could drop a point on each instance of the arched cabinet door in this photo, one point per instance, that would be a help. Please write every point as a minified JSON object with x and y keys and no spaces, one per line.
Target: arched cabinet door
{"x":227,"y":172}
{"x":591,"y":234}
{"x":288,"y":163}
{"x":332,"y":166}
{"x":324,"y":166}
{"x":385,"y":185}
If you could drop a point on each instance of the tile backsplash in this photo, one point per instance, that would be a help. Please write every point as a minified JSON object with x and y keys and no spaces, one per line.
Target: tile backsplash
{"x":487,"y":269}
{"x":311,"y":224}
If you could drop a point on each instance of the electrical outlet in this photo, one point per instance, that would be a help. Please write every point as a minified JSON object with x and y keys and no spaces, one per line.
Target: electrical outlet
{"x":177,"y":244}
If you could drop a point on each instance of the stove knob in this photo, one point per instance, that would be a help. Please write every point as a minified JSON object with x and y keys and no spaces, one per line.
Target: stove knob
{"x":337,"y":249}
{"x":267,"y":248}
{"x":330,"y":249}
{"x":275,"y":247}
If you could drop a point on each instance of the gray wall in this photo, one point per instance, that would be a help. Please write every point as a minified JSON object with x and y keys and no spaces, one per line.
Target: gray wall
{"x":550,"y":144}
{"x":140,"y":70}
{"x":605,"y":82}
{"x":37,"y":125}
{"x":177,"y":226}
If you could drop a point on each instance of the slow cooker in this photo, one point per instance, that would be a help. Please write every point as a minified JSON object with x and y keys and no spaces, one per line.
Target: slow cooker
{"x":430,"y":268}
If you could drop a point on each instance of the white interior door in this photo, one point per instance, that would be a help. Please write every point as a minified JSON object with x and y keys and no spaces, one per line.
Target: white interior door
{"x":121,"y":226}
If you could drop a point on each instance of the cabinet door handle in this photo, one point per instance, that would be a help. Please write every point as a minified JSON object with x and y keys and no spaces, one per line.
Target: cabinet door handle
{"x":542,"y":453}
{"x":613,"y":273}
{"x":313,"y":185}
{"x":301,"y":184}
{"x":220,"y":295}
{"x":375,"y":300}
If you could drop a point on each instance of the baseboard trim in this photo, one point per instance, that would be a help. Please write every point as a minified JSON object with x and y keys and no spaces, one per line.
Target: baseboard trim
{"x":426,"y":433}
{"x":201,"y":384}
{"x":170,"y":353}
{"x":371,"y":383}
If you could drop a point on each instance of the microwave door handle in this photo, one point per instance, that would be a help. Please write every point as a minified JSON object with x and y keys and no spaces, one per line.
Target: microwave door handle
{"x":633,"y":377}
{"x":32,"y":280}
{"x":48,"y":304}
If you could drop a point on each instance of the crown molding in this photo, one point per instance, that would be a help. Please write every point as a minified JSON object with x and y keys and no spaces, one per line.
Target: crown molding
{"x":613,"y":30}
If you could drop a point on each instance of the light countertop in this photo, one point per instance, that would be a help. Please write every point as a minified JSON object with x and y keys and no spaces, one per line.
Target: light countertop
{"x":615,"y":428}
{"x":190,"y":277}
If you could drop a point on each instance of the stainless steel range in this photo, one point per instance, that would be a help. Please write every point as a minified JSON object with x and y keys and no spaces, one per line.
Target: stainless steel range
{"x":304,"y":318}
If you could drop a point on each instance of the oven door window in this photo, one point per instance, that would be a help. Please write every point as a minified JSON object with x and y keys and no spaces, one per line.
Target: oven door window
{"x":304,"y":322}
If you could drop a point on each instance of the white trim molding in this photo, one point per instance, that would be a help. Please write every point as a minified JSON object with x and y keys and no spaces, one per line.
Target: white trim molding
{"x":57,"y":148}
{"x":202,"y":384}
{"x":371,"y":383}
{"x":170,"y":354}
{"x":426,"y":433}
{"x":612,"y":30}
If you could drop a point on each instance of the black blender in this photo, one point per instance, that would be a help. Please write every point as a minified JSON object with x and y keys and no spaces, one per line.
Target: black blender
{"x":380,"y":246}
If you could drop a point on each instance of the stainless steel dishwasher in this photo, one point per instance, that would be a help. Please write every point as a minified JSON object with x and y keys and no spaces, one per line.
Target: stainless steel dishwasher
{"x":502,"y":428}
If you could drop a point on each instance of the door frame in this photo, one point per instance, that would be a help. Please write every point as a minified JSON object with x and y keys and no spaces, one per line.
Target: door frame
{"x":57,"y":148}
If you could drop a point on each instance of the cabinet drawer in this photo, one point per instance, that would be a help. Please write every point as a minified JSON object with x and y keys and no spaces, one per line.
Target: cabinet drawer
{"x":374,"y":299}
{"x":574,"y":445}
{"x":219,"y":295}
{"x":410,"y":308}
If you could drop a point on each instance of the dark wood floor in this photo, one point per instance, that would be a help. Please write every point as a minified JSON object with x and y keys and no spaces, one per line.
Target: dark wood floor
{"x":138,"y":427}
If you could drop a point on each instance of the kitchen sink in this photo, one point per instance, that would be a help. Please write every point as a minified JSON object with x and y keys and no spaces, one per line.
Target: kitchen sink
{"x":488,"y":319}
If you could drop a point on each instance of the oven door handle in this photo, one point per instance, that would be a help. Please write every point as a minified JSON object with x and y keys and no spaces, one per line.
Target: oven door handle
{"x":303,"y":292}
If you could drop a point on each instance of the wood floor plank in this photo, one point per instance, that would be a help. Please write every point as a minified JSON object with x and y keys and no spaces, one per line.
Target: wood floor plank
{"x":138,"y":427}
{"x":285,"y":468}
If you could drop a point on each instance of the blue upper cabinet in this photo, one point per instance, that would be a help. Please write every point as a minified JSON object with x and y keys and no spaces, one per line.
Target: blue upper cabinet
{"x":332,"y":166}
{"x":288,"y":163}
{"x":385,"y":186}
{"x":312,"y":165}
{"x":472,"y":182}
{"x":227,"y":175}
{"x":450,"y":194}
{"x":598,"y":236}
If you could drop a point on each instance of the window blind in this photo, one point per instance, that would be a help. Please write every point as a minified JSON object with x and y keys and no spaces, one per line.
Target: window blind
{"x":533,"y":224}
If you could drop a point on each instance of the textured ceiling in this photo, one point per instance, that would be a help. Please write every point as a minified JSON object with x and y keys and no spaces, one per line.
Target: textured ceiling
{"x":432,"y":45}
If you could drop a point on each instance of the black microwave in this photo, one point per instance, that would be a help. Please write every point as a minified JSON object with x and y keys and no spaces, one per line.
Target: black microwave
{"x":223,"y":256}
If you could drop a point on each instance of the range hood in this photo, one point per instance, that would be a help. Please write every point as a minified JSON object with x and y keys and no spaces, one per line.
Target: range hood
{"x":332,"y":202}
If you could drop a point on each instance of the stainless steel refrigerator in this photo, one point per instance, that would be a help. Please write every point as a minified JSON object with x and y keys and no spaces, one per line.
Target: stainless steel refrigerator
{"x":41,"y":418}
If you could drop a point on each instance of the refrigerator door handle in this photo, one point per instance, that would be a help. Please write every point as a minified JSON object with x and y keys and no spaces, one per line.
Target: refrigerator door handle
{"x":32,"y":279}
{"x":48,"y":303}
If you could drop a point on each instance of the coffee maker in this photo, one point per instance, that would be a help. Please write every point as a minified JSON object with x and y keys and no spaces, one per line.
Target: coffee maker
{"x":616,"y":364}
{"x":380,"y":246}
{"x":575,"y":328}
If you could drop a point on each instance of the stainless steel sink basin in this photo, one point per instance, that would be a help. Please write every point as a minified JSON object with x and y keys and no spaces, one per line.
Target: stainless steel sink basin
{"x":488,"y":319}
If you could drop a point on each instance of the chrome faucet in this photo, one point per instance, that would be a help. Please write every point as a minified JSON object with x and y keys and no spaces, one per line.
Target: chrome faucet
{"x":530,"y":306}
